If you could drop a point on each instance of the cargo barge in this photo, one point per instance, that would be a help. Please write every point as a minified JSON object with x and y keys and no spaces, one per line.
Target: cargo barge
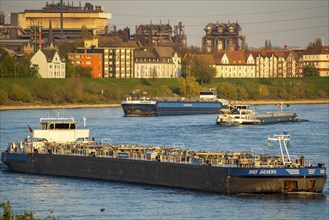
{"x":208,"y":103}
{"x":61,"y":149}
{"x":242,"y":114}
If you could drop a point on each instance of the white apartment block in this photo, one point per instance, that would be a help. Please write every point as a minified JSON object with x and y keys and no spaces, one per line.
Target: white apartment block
{"x":157,"y":62}
{"x":320,"y":60}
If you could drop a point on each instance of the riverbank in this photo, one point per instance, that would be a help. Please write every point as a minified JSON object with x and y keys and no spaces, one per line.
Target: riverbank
{"x":274,"y":102}
{"x":22,"y":107}
{"x":70,"y":106}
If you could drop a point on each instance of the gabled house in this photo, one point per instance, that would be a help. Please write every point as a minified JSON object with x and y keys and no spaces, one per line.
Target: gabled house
{"x":49,"y":63}
{"x":157,"y":62}
{"x":237,"y":64}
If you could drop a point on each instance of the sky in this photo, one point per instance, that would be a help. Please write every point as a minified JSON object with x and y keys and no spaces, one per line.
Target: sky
{"x":294,"y":23}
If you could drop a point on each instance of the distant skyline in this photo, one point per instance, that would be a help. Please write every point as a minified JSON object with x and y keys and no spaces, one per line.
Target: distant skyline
{"x":284,"y":22}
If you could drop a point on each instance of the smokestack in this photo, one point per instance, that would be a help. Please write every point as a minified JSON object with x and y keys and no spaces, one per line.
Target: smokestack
{"x":40,"y":36}
{"x":61,"y":19}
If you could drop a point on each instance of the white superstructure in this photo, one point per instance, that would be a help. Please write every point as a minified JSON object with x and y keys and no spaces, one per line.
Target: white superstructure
{"x":60,"y":130}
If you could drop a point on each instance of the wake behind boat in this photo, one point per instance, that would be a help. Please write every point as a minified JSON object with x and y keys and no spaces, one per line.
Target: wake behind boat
{"x":61,"y":149}
{"x":242,"y":114}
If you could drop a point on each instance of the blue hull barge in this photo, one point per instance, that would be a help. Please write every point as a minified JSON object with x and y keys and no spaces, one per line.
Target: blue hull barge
{"x":62,"y":150}
{"x":208,"y":103}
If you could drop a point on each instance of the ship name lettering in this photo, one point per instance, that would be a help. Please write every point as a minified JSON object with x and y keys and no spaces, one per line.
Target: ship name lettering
{"x":253,"y":171}
{"x":267,"y":172}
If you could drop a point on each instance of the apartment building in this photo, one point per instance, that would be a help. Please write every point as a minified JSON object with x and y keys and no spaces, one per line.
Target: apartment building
{"x":157,"y":62}
{"x":118,"y":61}
{"x":277,"y":63}
{"x":319,"y":58}
{"x":256,"y":64}
{"x":92,"y":60}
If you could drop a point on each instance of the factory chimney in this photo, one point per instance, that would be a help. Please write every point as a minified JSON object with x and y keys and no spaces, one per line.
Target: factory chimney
{"x":61,"y":19}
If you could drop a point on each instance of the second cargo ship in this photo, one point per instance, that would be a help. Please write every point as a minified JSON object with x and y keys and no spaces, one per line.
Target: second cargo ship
{"x":208,"y":103}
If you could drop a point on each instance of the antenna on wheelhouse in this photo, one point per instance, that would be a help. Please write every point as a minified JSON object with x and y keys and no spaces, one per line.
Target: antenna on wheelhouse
{"x":283,"y":139}
{"x":84,"y":122}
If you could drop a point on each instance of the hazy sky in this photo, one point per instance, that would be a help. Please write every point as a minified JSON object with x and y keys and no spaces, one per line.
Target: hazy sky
{"x":284,"y":22}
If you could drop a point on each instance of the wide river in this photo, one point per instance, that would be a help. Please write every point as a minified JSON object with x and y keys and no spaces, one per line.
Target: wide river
{"x":72,"y":198}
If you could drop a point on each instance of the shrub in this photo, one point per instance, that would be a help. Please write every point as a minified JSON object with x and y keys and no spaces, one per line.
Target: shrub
{"x":321,"y":94}
{"x":112,"y":92}
{"x":8,"y":213}
{"x":90,"y":98}
{"x":19,"y":93}
{"x":44,"y":90}
{"x":227,"y":91}
{"x":73,"y":90}
{"x":3,"y":97}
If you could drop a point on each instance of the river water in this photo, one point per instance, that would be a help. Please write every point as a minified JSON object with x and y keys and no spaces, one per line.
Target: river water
{"x":72,"y":198}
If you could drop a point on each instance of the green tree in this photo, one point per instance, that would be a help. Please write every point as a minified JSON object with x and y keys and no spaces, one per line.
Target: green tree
{"x":186,"y":70}
{"x":266,"y":45}
{"x":7,"y":64}
{"x":34,"y":71}
{"x":315,"y":46}
{"x":189,"y":87}
{"x":201,"y":70}
{"x":69,"y":69}
{"x":310,"y":71}
{"x":16,"y":68}
{"x":77,"y":71}
{"x":82,"y":72}
{"x":227,"y":90}
{"x":69,"y":46}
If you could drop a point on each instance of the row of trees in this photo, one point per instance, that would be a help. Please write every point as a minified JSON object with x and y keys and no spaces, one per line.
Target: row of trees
{"x":16,"y":68}
{"x":96,"y":91}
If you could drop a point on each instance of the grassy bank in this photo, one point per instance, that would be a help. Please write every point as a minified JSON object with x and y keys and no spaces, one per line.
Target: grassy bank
{"x":76,"y":92}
